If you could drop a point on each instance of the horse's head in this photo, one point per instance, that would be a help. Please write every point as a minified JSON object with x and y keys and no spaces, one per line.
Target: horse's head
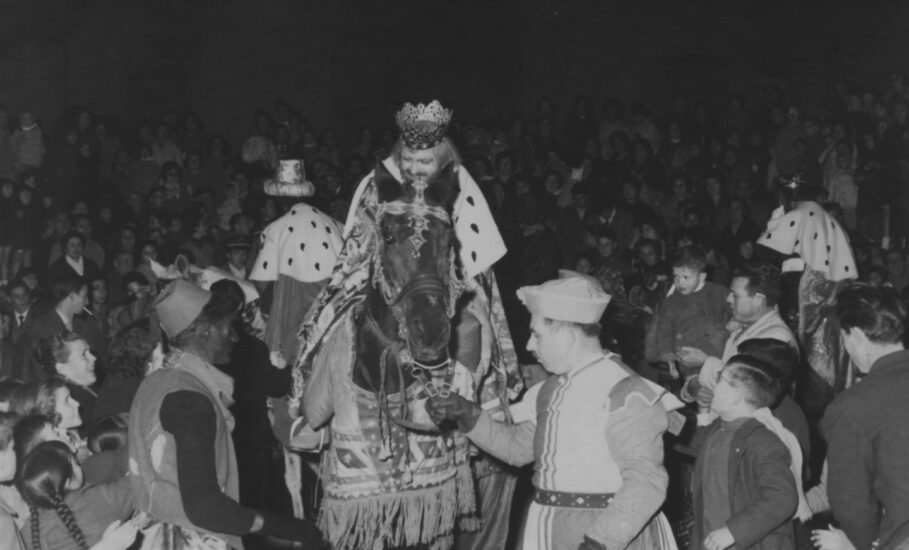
{"x":415,"y":270}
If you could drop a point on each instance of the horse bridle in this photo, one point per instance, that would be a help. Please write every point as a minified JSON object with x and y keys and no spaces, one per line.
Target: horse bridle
{"x":403,"y":359}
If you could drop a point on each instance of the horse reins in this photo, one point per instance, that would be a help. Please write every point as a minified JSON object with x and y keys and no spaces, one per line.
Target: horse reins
{"x":399,"y":354}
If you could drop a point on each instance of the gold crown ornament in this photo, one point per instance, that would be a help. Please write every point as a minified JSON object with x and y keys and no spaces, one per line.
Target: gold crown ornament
{"x":423,"y":126}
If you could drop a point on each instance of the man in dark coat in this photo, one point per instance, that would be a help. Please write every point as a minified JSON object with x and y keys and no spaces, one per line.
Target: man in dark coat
{"x":865,"y":426}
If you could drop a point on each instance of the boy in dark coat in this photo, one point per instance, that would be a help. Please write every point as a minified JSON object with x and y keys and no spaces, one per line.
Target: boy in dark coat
{"x":744,"y":491}
{"x":693,"y":314}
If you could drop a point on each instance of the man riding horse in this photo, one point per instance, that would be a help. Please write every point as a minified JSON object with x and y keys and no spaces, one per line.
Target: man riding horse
{"x":418,"y":245}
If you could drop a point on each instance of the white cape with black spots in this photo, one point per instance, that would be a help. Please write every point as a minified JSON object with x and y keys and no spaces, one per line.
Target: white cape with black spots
{"x":815,"y":236}
{"x":478,"y":236}
{"x":302,"y":244}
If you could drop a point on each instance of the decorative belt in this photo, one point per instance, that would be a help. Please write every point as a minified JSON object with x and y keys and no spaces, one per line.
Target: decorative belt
{"x":572,"y":500}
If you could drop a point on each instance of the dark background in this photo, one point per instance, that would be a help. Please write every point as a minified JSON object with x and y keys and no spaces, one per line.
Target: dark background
{"x":345,"y":63}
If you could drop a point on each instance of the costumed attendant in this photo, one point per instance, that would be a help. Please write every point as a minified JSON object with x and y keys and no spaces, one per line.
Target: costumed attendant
{"x":593,"y":431}
{"x":182,"y":460}
{"x":813,"y":243}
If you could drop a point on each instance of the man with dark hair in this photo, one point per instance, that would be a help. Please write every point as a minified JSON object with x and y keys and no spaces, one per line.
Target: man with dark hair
{"x":23,"y":309}
{"x":70,"y":296}
{"x":182,"y":460}
{"x":865,"y":426}
{"x":594,"y":430}
{"x":753,"y":297}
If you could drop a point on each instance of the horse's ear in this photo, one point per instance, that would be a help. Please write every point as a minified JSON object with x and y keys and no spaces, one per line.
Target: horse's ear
{"x":444,"y":190}
{"x":387,"y":186}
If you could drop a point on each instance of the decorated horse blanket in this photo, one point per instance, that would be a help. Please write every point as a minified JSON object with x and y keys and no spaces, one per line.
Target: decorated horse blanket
{"x":384,"y":486}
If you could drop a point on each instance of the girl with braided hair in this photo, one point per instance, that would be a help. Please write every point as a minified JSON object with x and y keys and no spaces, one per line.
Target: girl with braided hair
{"x":9,"y":529}
{"x":64,"y":514}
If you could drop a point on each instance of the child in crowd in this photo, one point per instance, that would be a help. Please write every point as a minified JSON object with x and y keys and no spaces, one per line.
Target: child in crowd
{"x":28,"y":144}
{"x":10,"y":518}
{"x":64,"y":514}
{"x":744,"y":491}
{"x":693,"y":314}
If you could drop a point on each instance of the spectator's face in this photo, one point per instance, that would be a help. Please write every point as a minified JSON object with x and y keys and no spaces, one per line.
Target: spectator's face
{"x":583,"y":266}
{"x":551,"y":183}
{"x":419,"y":165}
{"x":687,"y":280}
{"x":194,"y":163}
{"x":67,"y":408}
{"x":220,"y":340}
{"x":581,"y":200}
{"x":238,"y":257}
{"x":630,"y":193}
{"x":21,"y":299}
{"x":243,"y":226}
{"x":746,"y":250}
{"x":876,"y":278}
{"x":726,"y":394}
{"x":7,"y":190}
{"x":99,"y":292}
{"x":74,"y":248}
{"x":137,"y":291}
{"x":605,"y":247}
{"x":149,"y":252}
{"x":80,"y":208}
{"x":736,"y":211}
{"x":84,"y":226}
{"x":505,"y":167}
{"x":648,"y":256}
{"x":123,"y":264}
{"x":79,"y":299}
{"x":745,"y":307}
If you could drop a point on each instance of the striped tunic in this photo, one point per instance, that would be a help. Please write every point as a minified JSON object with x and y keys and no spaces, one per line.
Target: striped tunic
{"x":596,"y":429}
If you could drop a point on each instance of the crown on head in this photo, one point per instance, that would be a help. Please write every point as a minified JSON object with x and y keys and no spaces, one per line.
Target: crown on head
{"x":423,"y":126}
{"x":793,"y":181}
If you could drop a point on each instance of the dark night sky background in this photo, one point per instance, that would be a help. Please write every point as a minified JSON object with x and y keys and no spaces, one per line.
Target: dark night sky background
{"x":350,"y":62}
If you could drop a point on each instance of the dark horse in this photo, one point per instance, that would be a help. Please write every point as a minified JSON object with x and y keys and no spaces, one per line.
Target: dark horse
{"x":391,"y":477}
{"x":405,"y":321}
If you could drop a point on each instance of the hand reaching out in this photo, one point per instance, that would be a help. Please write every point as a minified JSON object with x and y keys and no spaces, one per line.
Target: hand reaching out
{"x":454,"y":407}
{"x":831,"y":539}
{"x":691,"y":357}
{"x":119,"y":535}
{"x":721,"y":539}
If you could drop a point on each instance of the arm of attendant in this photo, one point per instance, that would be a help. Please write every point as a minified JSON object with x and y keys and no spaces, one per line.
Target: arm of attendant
{"x":635,"y":438}
{"x":850,"y":461}
{"x":190,"y":417}
{"x":511,"y":443}
{"x":777,"y":498}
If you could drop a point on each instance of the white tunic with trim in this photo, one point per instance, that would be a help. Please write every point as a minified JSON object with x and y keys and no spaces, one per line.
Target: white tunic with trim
{"x":595,"y":430}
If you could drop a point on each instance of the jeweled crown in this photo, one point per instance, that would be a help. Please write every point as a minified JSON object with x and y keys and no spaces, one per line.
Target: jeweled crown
{"x":423,"y":126}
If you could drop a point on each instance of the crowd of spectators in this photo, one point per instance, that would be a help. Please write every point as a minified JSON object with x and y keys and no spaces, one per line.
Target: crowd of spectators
{"x":649,"y":203}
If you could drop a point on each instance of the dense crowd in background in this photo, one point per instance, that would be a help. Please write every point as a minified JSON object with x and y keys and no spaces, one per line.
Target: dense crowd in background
{"x":89,"y":202}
